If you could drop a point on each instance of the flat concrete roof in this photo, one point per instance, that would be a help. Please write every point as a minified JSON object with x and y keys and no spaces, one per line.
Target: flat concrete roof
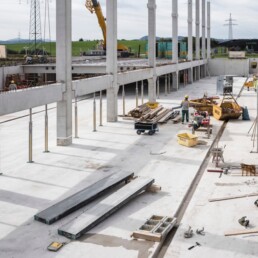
{"x":26,"y":188}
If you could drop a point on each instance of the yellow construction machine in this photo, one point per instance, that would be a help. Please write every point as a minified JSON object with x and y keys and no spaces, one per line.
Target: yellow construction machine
{"x":94,"y":7}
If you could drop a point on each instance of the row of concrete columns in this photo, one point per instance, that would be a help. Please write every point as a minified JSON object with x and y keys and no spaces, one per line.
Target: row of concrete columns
{"x":64,"y":56}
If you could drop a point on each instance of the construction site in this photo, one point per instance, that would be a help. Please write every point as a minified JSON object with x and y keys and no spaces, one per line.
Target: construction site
{"x":108,"y":155}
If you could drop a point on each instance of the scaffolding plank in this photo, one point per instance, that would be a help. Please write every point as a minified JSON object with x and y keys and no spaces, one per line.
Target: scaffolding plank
{"x":81,"y":198}
{"x":105,"y":208}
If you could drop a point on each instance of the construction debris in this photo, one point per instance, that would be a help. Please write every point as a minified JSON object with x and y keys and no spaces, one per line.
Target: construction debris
{"x":233,"y":197}
{"x":200,"y":231}
{"x":55,"y":246}
{"x":158,"y":114}
{"x":196,"y":244}
{"x":241,"y":232}
{"x":188,"y":233}
{"x":243,"y":221}
{"x":155,"y":229}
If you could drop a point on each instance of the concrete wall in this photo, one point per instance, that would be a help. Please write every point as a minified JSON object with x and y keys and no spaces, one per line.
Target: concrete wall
{"x":223,"y":66}
{"x":8,"y":70}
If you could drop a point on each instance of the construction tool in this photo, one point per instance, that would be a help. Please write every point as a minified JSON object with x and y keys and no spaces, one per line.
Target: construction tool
{"x":55,"y":246}
{"x":200,"y":231}
{"x":243,"y":221}
{"x":193,"y":246}
{"x":188,"y":233}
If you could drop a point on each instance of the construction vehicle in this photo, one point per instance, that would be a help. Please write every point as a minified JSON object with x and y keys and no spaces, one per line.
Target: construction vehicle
{"x":94,"y":6}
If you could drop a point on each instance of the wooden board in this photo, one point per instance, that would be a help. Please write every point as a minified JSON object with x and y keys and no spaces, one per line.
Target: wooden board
{"x":241,"y":232}
{"x":105,"y":208}
{"x":140,"y":234}
{"x":80,"y":199}
{"x":232,"y":197}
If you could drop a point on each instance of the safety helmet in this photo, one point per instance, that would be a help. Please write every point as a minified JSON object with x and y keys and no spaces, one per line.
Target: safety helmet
{"x":12,"y":81}
{"x":186,"y":96}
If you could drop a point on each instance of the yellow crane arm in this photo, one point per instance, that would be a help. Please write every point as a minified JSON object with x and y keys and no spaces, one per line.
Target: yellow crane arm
{"x":94,"y":6}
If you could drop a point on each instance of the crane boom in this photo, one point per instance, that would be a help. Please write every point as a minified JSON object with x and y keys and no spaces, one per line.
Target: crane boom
{"x":94,"y":6}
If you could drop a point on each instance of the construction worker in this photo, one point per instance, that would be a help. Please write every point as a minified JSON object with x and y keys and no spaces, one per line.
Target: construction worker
{"x":185,"y":109}
{"x":12,"y":85}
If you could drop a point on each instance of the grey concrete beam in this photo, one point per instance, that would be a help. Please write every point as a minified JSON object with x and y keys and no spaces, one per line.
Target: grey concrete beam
{"x":91,"y":85}
{"x":76,"y":68}
{"x":19,"y":100}
{"x":134,"y":76}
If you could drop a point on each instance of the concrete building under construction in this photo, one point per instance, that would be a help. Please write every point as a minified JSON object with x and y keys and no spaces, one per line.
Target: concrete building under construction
{"x":81,"y":177}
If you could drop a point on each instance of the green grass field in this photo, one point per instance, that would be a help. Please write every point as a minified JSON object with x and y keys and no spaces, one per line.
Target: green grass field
{"x":77,"y":47}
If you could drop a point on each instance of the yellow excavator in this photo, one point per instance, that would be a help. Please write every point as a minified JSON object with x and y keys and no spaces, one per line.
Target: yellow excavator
{"x":94,"y":7}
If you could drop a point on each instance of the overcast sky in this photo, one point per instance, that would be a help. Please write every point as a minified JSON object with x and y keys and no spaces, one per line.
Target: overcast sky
{"x":132,"y":19}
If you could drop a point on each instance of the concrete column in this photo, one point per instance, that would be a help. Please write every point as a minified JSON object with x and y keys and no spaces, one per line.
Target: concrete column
{"x":152,"y":48}
{"x":208,"y":30}
{"x":197,"y":29}
{"x":175,"y":31}
{"x":112,"y":59}
{"x":203,"y":30}
{"x":190,"y":30}
{"x":175,"y":80}
{"x":64,"y":70}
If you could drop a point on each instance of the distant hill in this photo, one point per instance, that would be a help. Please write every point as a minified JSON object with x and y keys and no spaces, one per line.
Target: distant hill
{"x":16,"y":41}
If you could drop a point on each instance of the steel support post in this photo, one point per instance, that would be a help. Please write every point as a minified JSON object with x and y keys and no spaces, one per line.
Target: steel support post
{"x":136,"y":95}
{"x":169,"y":84}
{"x":94,"y":114}
{"x":76,"y":118}
{"x":166,"y":85}
{"x":30,"y":138}
{"x":142,"y":92}
{"x":100,"y":109}
{"x":158,"y":88}
{"x":46,"y":129}
{"x":123,"y":96}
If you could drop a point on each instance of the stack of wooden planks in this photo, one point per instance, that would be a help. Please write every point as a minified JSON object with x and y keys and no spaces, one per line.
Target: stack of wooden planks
{"x":157,"y":115}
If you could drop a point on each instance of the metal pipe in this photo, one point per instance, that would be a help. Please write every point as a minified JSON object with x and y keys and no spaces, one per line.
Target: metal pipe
{"x":142,"y":92}
{"x":76,"y":118}
{"x":100,"y":108}
{"x":46,"y":130}
{"x":123,"y":96}
{"x":30,"y":138}
{"x":136,"y":94}
{"x":94,"y":113}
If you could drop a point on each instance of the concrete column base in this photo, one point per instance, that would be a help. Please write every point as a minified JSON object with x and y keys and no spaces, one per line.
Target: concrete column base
{"x":112,"y":111}
{"x":64,"y":141}
{"x":152,"y":89}
{"x":198,"y":73}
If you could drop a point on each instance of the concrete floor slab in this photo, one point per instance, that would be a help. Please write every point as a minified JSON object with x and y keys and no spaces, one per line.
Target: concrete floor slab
{"x":114,"y":147}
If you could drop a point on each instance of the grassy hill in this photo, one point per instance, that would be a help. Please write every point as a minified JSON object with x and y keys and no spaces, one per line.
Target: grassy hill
{"x":77,"y":47}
